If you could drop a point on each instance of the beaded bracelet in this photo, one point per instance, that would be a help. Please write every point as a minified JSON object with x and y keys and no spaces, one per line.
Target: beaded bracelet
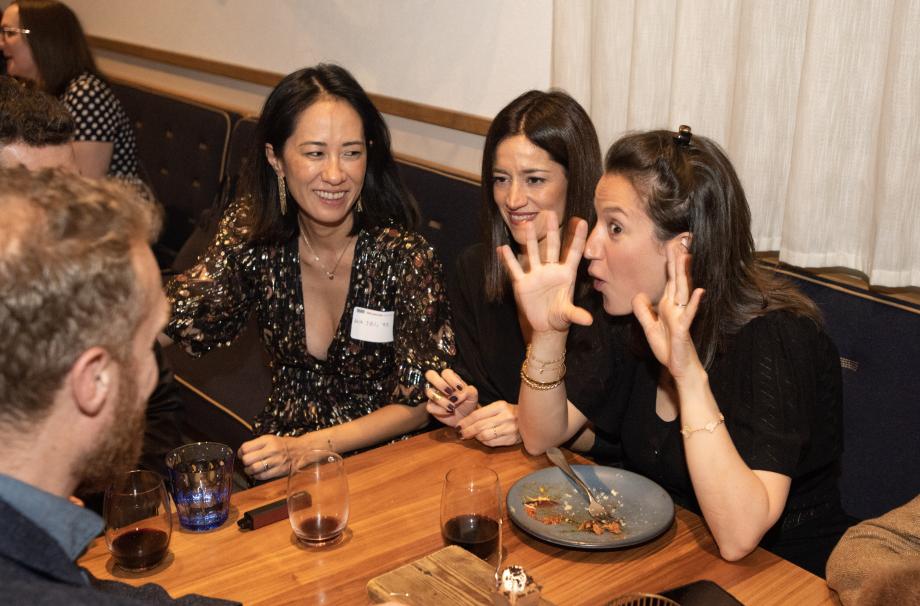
{"x":686,"y":431}
{"x":537,"y":385}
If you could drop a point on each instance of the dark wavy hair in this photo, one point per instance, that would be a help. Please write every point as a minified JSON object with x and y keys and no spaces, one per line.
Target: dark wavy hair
{"x":59,"y":46}
{"x":557,"y":124}
{"x":694,"y":188}
{"x":384,"y":197}
{"x":31,"y":116}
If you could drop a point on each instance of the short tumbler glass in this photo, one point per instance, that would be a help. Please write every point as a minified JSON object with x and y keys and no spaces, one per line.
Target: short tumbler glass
{"x":138,"y":520}
{"x":317,"y":498}
{"x":201,"y":475}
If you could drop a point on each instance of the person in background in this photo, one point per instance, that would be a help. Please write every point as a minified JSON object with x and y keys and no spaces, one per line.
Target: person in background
{"x":731,"y":387}
{"x":80,"y":308}
{"x":36,"y":131}
{"x":878,"y":561}
{"x":43,"y":42}
{"x":321,"y":246}
{"x":541,"y":154}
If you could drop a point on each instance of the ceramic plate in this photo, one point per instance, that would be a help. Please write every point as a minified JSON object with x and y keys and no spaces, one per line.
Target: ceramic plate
{"x":643,"y":507}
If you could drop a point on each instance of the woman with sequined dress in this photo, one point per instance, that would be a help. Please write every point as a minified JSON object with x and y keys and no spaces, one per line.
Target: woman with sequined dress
{"x":349,"y":300}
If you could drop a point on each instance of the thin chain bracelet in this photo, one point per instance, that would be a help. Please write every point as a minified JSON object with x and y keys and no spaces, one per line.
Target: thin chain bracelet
{"x":544,"y":364}
{"x":687,"y":431}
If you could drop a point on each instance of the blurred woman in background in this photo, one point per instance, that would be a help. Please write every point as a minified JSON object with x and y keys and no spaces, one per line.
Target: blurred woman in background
{"x":42,"y":41}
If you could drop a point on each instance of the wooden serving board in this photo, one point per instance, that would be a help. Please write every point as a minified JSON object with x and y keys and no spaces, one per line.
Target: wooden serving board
{"x":451,"y":575}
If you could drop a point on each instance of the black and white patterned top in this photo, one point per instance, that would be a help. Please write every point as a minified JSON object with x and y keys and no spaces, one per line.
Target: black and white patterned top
{"x":99,"y":116}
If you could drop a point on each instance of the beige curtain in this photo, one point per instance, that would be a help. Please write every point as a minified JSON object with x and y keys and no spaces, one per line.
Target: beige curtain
{"x":817,"y":103}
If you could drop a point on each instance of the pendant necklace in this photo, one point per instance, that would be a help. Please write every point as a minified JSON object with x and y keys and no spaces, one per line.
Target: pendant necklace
{"x":329,"y":273}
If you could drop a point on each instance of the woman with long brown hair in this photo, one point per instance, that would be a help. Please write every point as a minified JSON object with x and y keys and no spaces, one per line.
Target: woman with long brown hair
{"x":727,"y":391}
{"x":541,"y":154}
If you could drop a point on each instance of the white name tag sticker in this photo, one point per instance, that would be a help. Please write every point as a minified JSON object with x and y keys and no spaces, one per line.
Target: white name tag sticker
{"x":372,"y":326}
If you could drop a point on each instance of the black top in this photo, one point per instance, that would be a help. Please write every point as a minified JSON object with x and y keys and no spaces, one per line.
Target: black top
{"x":491,"y":348}
{"x":34,"y":569}
{"x":778,"y":385}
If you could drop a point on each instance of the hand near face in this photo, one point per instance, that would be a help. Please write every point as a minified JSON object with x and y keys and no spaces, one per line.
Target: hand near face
{"x":266,"y":457}
{"x":667,"y":328}
{"x":544,"y":292}
{"x":450,"y":398}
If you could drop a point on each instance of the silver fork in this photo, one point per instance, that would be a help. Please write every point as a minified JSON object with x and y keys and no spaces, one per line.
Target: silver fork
{"x":558,"y":459}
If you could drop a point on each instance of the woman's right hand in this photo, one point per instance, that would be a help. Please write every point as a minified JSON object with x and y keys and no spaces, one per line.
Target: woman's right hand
{"x":450,"y":398}
{"x":545,"y":291}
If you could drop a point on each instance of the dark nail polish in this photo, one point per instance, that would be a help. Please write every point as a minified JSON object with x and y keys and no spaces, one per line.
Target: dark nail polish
{"x":459,"y":387}
{"x":451,"y":408}
{"x":449,"y":390}
{"x":459,"y":432}
{"x":453,"y":399}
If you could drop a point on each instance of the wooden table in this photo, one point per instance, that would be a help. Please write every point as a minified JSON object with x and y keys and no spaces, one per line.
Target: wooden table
{"x":395,"y":499}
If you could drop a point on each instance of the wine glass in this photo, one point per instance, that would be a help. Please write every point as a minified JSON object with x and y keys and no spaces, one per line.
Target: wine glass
{"x":317,"y":498}
{"x":138,"y":519}
{"x":471,"y":512}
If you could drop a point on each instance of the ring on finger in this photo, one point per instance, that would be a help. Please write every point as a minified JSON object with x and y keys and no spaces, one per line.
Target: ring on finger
{"x":680,"y":304}
{"x":265,"y":466}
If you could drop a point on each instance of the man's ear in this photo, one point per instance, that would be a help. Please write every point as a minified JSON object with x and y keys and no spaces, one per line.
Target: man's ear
{"x":273,"y":160}
{"x":90,"y":379}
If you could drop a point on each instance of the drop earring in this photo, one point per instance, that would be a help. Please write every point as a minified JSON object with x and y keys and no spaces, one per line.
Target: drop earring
{"x":282,"y":194}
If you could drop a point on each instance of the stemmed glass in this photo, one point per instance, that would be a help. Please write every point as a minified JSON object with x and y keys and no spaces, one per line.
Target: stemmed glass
{"x":471,"y":512}
{"x":138,"y":520}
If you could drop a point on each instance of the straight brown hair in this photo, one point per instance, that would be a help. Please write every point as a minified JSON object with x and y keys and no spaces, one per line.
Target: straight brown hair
{"x":58,"y":44}
{"x":557,"y":124}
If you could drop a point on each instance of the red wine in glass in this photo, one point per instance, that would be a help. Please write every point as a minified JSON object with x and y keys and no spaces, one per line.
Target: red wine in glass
{"x":476,"y":533}
{"x":140,"y":548}
{"x":319,"y":528}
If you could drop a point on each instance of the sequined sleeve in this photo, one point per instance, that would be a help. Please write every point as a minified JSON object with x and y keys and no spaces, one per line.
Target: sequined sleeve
{"x":213,"y":299}
{"x":423,"y":337}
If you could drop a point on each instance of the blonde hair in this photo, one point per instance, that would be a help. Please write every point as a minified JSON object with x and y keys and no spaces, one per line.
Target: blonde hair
{"x":67,"y":280}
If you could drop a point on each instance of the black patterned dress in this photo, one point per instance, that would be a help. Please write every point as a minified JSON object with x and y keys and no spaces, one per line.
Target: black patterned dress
{"x":393,"y":271}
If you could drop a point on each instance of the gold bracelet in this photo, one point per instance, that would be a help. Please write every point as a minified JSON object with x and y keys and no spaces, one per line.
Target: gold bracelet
{"x":543,"y":364}
{"x":537,"y":384}
{"x":686,"y":431}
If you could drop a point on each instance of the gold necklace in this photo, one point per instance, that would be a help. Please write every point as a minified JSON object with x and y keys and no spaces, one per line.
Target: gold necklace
{"x":329,"y":273}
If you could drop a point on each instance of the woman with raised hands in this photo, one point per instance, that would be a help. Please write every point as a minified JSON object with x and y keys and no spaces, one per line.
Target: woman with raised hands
{"x":541,"y":154}
{"x":731,"y":388}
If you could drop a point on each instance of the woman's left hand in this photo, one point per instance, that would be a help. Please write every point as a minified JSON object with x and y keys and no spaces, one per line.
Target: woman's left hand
{"x":667,"y":328}
{"x":494,"y":424}
{"x":266,"y":457}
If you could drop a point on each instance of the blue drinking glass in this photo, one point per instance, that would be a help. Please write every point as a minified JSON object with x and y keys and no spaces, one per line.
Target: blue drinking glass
{"x":201,"y":475}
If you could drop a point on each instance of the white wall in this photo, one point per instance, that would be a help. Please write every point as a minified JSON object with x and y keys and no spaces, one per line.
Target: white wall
{"x":467,"y":55}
